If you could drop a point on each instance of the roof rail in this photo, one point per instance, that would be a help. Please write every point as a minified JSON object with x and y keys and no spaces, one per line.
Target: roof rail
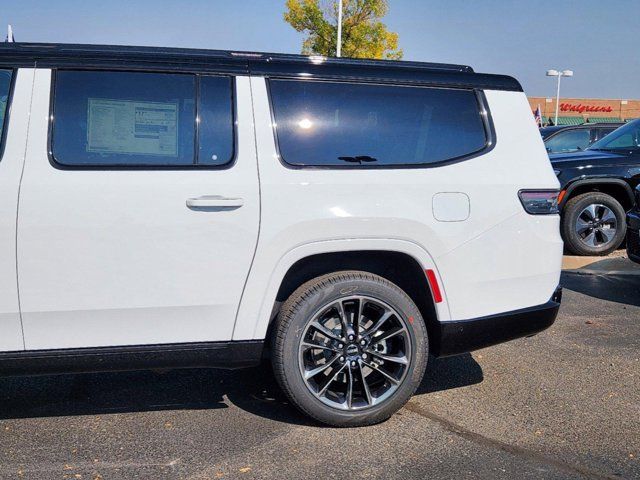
{"x":59,"y":55}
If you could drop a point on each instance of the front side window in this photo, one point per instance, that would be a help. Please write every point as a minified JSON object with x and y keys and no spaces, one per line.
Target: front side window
{"x":140,"y":119}
{"x":569,"y":141}
{"x":342,"y":124}
{"x":5,"y":87}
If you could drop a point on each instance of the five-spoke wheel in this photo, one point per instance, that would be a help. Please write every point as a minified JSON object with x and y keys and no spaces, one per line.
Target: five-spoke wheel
{"x":593,"y":223}
{"x":596,"y":225}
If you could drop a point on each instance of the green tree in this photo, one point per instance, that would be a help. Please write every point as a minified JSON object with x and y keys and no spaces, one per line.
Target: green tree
{"x":363,"y":34}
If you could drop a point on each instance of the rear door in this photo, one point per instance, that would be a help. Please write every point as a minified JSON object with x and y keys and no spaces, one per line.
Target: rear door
{"x":15,"y":96}
{"x":139,"y":211}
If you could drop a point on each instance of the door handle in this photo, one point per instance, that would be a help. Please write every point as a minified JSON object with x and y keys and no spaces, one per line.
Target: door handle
{"x":214,"y":203}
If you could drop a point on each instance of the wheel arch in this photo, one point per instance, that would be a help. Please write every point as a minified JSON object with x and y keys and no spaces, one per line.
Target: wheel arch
{"x":615,"y":187}
{"x":399,"y":261}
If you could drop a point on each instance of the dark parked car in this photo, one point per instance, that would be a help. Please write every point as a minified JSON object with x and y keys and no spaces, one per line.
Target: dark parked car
{"x":597,"y":187}
{"x":573,"y":138}
{"x":633,"y":230}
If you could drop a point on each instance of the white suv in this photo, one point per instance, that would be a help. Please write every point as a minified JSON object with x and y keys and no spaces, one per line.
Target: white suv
{"x":344,"y":218}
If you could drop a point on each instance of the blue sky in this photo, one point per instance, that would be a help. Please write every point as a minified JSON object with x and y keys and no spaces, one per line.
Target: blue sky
{"x":597,"y":39}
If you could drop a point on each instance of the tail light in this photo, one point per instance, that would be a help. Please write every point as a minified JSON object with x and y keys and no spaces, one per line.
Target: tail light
{"x":539,"y":202}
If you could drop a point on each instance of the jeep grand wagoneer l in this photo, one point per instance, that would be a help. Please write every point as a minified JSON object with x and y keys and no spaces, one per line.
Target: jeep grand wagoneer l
{"x":344,"y":218}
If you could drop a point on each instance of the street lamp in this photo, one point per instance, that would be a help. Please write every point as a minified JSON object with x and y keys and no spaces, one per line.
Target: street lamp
{"x":559,"y":74}
{"x":339,"y":47}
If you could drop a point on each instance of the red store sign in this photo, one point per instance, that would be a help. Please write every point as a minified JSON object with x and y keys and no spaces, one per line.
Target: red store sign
{"x":570,"y":107}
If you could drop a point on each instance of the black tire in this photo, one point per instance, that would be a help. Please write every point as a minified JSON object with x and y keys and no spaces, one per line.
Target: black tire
{"x":293,"y":323}
{"x":574,"y":209}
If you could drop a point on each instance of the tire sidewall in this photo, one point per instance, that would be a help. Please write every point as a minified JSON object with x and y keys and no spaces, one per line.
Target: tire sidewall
{"x":303,"y":313}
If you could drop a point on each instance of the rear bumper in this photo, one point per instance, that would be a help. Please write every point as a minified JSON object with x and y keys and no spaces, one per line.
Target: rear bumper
{"x":633,"y":235}
{"x":467,"y":335}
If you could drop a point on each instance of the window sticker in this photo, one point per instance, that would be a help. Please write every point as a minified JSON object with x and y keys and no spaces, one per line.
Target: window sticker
{"x":132,"y":127}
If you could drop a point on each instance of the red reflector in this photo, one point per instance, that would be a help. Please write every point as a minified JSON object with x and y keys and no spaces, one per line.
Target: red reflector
{"x":561,"y":196}
{"x":433,"y":283}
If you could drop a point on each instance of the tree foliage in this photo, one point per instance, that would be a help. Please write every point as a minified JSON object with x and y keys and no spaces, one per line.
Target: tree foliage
{"x":363,"y":34}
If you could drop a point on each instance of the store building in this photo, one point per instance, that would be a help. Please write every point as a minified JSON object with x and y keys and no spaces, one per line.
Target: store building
{"x":575,"y":111}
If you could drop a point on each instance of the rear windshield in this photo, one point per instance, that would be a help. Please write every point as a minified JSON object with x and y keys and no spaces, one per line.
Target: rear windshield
{"x":348,"y":124}
{"x":546,"y":131}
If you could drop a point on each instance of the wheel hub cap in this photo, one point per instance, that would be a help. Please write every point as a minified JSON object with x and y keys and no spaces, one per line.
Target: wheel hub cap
{"x":353,"y":350}
{"x":596,"y":225}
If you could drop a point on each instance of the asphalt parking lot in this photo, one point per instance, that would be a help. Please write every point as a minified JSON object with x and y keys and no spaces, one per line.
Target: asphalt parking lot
{"x":563,"y":404}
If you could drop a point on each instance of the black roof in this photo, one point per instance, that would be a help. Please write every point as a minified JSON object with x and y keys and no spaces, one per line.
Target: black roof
{"x":595,"y":123}
{"x":48,"y":55}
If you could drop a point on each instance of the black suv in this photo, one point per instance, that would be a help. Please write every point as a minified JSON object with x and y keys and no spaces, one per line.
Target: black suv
{"x":573,"y":138}
{"x":597,"y":188}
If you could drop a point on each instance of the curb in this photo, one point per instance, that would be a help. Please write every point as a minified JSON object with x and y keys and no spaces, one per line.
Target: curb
{"x":615,"y":264}
{"x":627,"y":273}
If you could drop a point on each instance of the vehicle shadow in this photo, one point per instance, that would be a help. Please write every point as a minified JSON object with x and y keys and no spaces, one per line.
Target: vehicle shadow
{"x":450,"y":372}
{"x":614,"y":288}
{"x":253,"y":390}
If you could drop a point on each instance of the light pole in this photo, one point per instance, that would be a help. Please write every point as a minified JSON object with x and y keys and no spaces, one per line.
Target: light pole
{"x":339,"y":47}
{"x":559,"y":74}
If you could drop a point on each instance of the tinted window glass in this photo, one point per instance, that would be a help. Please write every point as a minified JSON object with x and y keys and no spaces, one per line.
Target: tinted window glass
{"x":547,"y":131}
{"x":569,"y":141}
{"x":216,"y":121}
{"x":141,"y":119}
{"x":115,"y":118}
{"x":5,"y":85}
{"x":624,"y":138}
{"x":338,"y":124}
{"x":603,"y":132}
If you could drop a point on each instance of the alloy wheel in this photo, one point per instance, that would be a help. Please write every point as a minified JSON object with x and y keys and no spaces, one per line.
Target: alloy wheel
{"x":596,"y":225}
{"x":355,"y":353}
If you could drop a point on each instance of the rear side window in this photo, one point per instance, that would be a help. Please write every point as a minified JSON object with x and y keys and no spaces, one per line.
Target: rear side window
{"x":5,"y":88}
{"x":341,"y":124}
{"x":141,"y":119}
{"x":603,"y":132}
{"x":215,"y":113}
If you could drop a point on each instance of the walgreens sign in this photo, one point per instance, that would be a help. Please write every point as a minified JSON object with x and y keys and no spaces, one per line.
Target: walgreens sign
{"x":580,"y":108}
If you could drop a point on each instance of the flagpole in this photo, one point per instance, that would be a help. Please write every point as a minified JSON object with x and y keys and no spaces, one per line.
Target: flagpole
{"x":339,"y":47}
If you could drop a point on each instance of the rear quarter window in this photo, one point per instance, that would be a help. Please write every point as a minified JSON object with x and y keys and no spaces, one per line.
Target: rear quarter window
{"x":334,"y":124}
